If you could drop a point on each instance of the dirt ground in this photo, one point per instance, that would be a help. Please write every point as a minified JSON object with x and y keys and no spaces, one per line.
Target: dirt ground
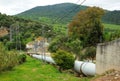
{"x":109,"y":76}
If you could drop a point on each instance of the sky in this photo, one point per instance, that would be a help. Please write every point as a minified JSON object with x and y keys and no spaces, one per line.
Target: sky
{"x":12,"y":7}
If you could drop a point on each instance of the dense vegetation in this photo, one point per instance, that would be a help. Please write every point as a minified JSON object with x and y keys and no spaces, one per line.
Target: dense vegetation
{"x":111,"y":32}
{"x":9,"y":59}
{"x":85,"y":30}
{"x":63,"y":59}
{"x":22,"y":31}
{"x":84,"y":33}
{"x":87,"y":26}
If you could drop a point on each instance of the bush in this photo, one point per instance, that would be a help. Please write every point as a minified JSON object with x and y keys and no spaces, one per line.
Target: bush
{"x":12,"y":59}
{"x":22,"y":58}
{"x":63,"y":59}
{"x":8,"y":59}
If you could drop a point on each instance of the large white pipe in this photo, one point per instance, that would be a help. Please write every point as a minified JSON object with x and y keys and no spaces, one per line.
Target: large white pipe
{"x":45,"y":58}
{"x":87,"y":68}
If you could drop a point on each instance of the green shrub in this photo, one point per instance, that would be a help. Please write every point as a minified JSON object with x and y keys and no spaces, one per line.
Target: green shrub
{"x":63,"y":59}
{"x":12,"y":59}
{"x":22,"y":58}
{"x":8,"y":59}
{"x":3,"y":57}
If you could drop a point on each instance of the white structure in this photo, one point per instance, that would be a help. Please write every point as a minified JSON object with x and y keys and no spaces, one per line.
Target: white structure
{"x":87,"y":68}
{"x":45,"y":58}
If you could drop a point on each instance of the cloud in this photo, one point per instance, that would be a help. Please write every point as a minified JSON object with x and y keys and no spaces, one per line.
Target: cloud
{"x":106,"y":4}
{"x":12,"y":7}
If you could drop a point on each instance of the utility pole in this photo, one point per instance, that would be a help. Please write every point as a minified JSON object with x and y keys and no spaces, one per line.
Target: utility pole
{"x":35,"y":47}
{"x":19,"y":37}
{"x":16,"y":32}
{"x":11,"y":30}
{"x":67,"y":30}
{"x":11,"y":36}
{"x":43,"y":43}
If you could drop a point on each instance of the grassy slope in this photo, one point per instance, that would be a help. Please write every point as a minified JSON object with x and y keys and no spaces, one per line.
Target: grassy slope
{"x":35,"y":70}
{"x":112,"y":26}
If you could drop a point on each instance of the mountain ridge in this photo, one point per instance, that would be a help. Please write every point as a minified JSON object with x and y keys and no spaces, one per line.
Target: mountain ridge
{"x":64,"y":13}
{"x":52,"y":12}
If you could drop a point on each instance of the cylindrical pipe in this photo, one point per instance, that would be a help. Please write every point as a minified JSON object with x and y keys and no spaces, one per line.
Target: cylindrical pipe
{"x":87,"y":68}
{"x":45,"y":58}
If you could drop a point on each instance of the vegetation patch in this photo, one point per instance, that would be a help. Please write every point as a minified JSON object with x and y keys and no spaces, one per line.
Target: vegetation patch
{"x":63,"y":59}
{"x":8,"y":59}
{"x":35,"y":70}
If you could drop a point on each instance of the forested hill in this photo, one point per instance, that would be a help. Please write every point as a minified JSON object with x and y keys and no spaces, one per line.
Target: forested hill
{"x":112,"y":17}
{"x":25,"y":31}
{"x":64,"y":13}
{"x":53,"y":12}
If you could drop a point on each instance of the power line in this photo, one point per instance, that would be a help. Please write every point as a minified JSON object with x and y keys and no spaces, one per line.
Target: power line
{"x":78,"y":1}
{"x":59,"y":19}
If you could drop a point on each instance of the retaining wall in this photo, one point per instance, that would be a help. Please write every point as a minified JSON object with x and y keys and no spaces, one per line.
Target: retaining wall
{"x":108,"y":56}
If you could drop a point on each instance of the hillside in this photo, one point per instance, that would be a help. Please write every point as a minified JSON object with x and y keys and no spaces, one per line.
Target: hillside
{"x":14,"y":29}
{"x":112,"y":17}
{"x":53,"y":13}
{"x":64,"y":13}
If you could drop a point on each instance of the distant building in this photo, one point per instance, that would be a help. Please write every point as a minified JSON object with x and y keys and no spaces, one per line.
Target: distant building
{"x":38,"y":46}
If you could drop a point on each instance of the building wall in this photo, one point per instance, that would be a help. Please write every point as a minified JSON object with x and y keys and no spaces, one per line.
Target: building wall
{"x":108,"y":56}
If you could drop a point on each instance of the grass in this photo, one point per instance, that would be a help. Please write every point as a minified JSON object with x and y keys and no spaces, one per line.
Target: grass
{"x":112,"y":26}
{"x":35,"y":70}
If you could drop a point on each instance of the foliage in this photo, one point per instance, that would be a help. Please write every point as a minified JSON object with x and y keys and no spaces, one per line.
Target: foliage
{"x":90,"y":53}
{"x":54,"y":45}
{"x":8,"y":59}
{"x":111,"y":36}
{"x":63,"y":59}
{"x":67,"y":44}
{"x":59,"y":43}
{"x":22,"y":31}
{"x":22,"y":58}
{"x":75,"y":46}
{"x":111,"y":32}
{"x":86,"y":24}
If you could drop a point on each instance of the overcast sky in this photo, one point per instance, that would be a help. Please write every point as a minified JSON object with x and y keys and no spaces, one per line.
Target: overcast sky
{"x":12,"y":7}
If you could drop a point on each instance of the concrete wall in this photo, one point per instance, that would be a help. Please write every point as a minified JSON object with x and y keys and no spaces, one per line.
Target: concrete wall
{"x":108,"y":56}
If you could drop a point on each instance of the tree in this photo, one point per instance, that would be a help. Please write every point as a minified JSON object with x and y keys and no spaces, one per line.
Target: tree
{"x":75,"y":46}
{"x":67,"y":44}
{"x":87,"y":26}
